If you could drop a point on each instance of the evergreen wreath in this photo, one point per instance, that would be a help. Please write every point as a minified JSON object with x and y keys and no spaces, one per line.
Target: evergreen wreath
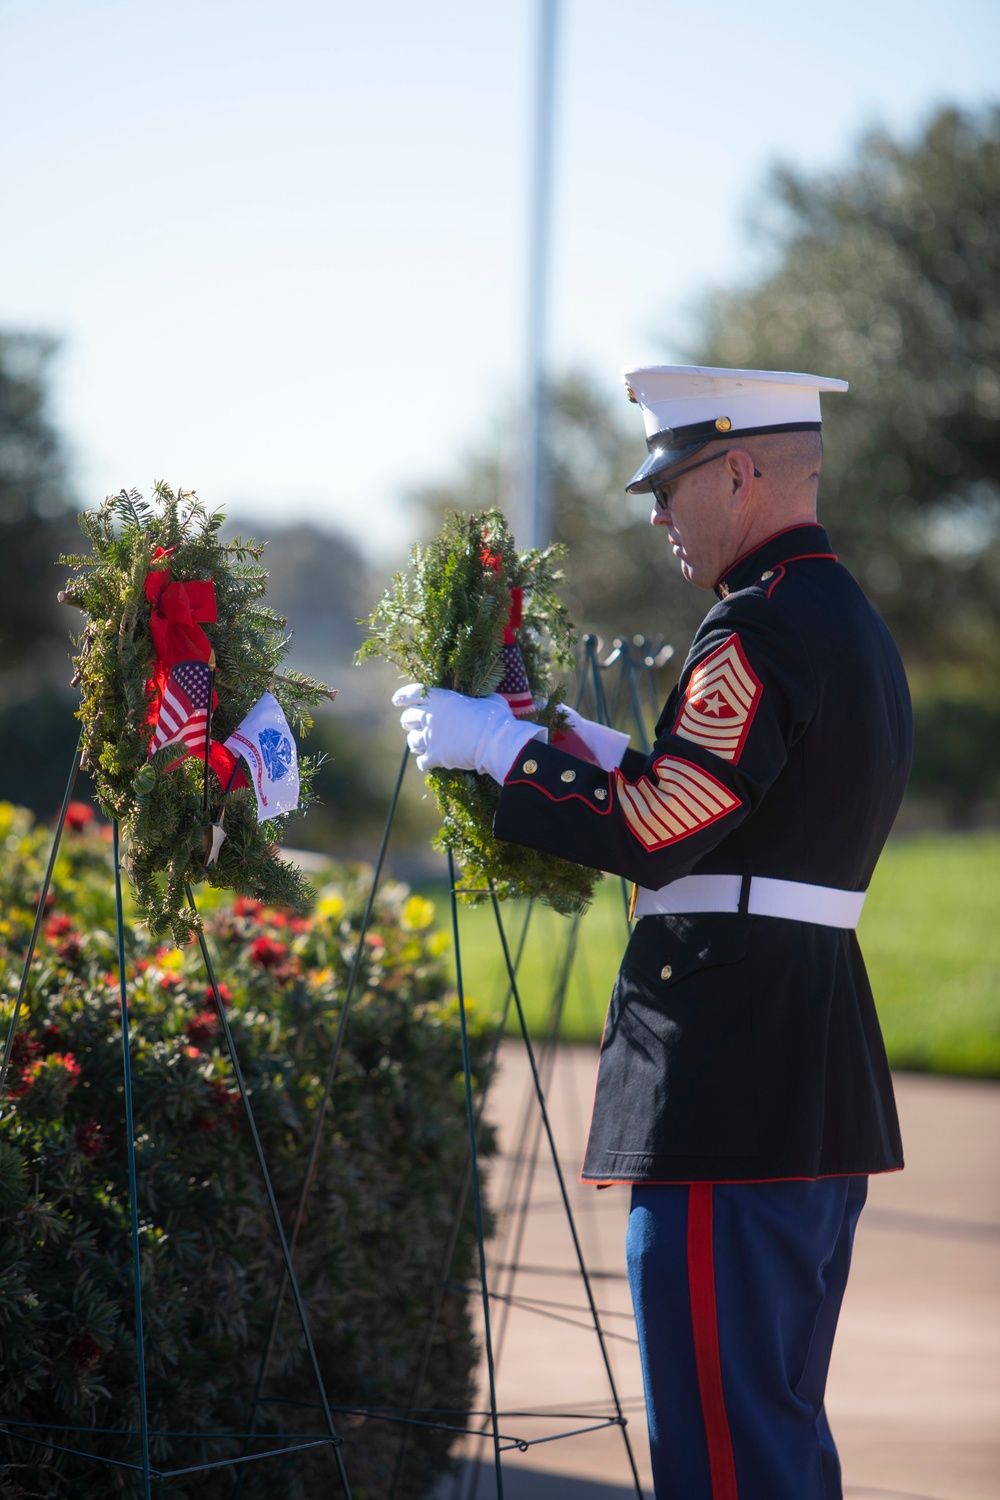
{"x":158,"y":802}
{"x":443,"y":623}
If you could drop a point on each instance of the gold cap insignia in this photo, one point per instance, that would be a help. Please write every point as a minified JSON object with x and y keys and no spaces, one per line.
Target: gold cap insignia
{"x":723,"y":424}
{"x":630,"y":393}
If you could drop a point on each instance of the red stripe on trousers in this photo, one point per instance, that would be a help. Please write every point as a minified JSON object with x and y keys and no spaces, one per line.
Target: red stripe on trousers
{"x":705,"y":1325}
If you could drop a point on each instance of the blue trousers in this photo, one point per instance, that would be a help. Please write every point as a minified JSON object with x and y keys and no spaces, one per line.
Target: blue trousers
{"x":737,"y":1289}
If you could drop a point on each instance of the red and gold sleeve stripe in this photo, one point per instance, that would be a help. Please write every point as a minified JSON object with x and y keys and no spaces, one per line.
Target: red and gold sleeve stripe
{"x":674,"y":800}
{"x":720,"y":701}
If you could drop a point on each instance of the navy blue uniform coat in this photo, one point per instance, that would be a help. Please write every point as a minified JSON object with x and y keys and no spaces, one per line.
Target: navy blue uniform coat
{"x":744,"y":1048}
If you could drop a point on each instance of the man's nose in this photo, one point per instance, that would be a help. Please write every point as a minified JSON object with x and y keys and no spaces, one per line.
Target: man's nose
{"x":659,"y":515}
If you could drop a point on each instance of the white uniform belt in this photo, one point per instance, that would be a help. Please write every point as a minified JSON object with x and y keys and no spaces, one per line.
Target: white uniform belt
{"x":793,"y":899}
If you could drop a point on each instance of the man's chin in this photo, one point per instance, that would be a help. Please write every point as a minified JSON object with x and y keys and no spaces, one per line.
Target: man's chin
{"x":694,"y":575}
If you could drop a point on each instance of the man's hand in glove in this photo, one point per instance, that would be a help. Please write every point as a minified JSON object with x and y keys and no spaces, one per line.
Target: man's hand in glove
{"x":606,"y":746}
{"x":456,"y":733}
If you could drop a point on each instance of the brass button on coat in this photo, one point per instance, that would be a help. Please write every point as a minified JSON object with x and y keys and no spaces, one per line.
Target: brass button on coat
{"x":530,"y":766}
{"x":666,"y":971}
{"x":568,"y":776}
{"x":600,"y":793}
{"x":765,"y":576}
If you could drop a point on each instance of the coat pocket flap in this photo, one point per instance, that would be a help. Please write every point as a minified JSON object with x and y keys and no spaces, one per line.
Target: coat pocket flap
{"x":664,"y":949}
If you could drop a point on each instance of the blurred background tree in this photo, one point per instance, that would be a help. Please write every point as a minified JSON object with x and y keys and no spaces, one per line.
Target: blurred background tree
{"x":886,"y":272}
{"x":36,"y":515}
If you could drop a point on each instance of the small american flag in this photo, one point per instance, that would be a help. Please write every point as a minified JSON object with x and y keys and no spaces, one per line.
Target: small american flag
{"x":514,"y":685}
{"x":183,"y":717}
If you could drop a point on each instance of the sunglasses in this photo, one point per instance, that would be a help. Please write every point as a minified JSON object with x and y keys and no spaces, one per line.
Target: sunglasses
{"x":660,"y":493}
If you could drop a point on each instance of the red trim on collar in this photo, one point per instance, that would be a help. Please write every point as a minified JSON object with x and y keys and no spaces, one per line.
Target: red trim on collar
{"x":779,"y":568}
{"x":799,"y":526}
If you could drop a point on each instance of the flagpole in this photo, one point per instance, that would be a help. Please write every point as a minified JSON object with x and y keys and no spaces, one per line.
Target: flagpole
{"x":208,"y":728}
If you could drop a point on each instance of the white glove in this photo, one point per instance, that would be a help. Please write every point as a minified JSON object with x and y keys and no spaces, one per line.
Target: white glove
{"x":606,"y":745}
{"x":462,"y":734}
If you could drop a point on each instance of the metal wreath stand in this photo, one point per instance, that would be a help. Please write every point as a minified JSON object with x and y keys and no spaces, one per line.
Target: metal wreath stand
{"x":629,"y":667}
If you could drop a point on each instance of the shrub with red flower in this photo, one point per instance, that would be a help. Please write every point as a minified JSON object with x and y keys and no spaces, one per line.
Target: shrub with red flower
{"x":86,"y":1352}
{"x":58,"y":1071}
{"x":203,"y":1027}
{"x":58,"y":925}
{"x":225,"y":1110}
{"x":266,"y":953}
{"x":79,"y":816}
{"x":89,"y":1139}
{"x":70,"y":950}
{"x":370,"y":1250}
{"x":244,"y":907}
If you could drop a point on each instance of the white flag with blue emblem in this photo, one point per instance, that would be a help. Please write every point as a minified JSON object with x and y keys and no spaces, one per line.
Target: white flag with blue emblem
{"x":266,"y":744}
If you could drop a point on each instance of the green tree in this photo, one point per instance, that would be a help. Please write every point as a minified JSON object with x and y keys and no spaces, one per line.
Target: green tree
{"x":35,"y":516}
{"x":887,"y":273}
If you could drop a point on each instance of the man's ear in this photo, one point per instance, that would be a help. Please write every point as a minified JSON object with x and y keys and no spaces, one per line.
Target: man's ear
{"x":741,"y":473}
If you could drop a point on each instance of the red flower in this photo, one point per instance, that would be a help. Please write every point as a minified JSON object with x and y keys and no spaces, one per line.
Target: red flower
{"x":58,"y":926}
{"x":203,"y":1027}
{"x":225,"y":995}
{"x":168,"y":980}
{"x":226,"y":1102}
{"x":265,"y":952}
{"x":375,"y":940}
{"x":22,"y":1054}
{"x":301,"y":924}
{"x":65,"y":1061}
{"x":277,"y":919}
{"x":78,"y":815}
{"x":89,"y":1141}
{"x":244,"y":907}
{"x":86,"y":1351}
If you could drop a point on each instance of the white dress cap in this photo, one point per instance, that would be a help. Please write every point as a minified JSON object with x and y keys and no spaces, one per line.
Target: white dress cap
{"x":686,"y":406}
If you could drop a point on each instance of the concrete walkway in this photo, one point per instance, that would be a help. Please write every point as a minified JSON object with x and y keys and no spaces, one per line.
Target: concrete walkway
{"x":914,"y":1392}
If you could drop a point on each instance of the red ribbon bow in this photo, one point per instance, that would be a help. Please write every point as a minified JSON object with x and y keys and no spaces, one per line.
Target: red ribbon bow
{"x":173,"y":619}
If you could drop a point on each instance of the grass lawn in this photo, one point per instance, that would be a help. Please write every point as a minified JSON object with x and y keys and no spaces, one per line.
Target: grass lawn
{"x":930,"y":935}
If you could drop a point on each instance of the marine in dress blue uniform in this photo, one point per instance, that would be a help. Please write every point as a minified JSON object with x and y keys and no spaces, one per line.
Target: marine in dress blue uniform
{"x":742,"y":1088}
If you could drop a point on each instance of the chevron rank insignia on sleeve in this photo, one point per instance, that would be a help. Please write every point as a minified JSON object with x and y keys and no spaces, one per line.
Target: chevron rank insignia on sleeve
{"x":720,"y":702}
{"x":677,"y":799}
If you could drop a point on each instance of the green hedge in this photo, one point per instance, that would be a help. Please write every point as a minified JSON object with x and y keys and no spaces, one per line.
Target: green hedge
{"x":371,"y":1252}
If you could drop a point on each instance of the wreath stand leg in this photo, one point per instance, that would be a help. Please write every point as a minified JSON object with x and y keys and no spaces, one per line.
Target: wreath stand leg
{"x":133,"y":1199}
{"x":625,"y":691}
{"x":442,"y":1287}
{"x":289,"y":1277}
{"x":328,"y":1082}
{"x":39,"y":913}
{"x":474,"y":1171}
{"x":578,"y":1250}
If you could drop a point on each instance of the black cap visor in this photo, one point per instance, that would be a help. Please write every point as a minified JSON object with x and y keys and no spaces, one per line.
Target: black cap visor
{"x":673,"y":445}
{"x":660,"y":460}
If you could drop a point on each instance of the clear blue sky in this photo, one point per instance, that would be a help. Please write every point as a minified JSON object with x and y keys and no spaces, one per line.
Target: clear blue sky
{"x":285,"y":245}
